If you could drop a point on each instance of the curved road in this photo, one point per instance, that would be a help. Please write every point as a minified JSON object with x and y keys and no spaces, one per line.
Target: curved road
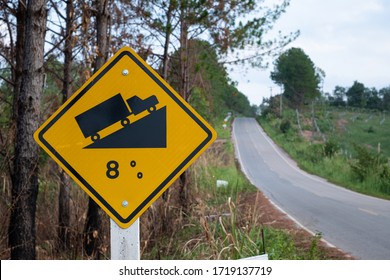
{"x":357,"y":224}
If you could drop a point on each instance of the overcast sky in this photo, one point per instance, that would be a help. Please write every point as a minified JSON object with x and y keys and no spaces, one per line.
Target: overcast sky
{"x":348,"y":39}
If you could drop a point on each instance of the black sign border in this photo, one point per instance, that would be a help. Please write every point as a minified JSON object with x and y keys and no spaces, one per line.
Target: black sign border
{"x":169,"y":178}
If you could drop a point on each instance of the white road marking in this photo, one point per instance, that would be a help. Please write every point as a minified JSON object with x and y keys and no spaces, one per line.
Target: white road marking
{"x":369,"y":211}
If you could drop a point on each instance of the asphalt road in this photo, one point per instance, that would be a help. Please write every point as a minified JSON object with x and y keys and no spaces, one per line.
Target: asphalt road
{"x":356,"y":223}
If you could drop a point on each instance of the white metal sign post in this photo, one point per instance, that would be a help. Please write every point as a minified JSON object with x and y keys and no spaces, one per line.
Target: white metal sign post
{"x":125,"y":242}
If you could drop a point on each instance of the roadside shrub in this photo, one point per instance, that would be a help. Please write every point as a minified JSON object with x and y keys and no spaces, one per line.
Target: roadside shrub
{"x":331,"y":147}
{"x":324,"y":125}
{"x":371,"y":130}
{"x":285,"y":126}
{"x":367,"y":163}
{"x":313,"y":153}
{"x":384,"y":186}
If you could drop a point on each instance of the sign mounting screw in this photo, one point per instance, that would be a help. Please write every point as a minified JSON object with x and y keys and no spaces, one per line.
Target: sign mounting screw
{"x":125,"y":203}
{"x":125,"y":72}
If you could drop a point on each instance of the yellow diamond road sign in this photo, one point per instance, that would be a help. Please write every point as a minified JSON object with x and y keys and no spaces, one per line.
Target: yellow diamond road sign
{"x":125,"y":136}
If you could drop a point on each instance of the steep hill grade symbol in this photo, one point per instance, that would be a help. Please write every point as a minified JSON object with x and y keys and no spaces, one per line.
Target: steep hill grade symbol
{"x":148,"y":132}
{"x":125,"y":136}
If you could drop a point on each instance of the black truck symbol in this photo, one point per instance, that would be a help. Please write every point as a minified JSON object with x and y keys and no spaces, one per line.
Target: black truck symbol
{"x":111,"y":111}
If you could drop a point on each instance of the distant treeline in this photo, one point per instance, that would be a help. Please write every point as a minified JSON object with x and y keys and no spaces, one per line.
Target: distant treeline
{"x":360,"y":96}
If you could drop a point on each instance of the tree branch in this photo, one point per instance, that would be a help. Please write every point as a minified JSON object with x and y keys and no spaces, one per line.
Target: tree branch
{"x":55,"y":46}
{"x":11,"y":9}
{"x":7,"y":80}
{"x":54,"y":5}
{"x":7,"y":59}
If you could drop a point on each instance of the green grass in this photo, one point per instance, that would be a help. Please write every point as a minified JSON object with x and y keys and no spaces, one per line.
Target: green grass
{"x":346,"y":129}
{"x":222,"y":132}
{"x":369,"y":129}
{"x":281,"y":245}
{"x":222,"y":168}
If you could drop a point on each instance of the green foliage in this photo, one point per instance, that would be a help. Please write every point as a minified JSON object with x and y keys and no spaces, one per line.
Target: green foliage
{"x":199,"y":102}
{"x":359,"y":96}
{"x":6,"y":99}
{"x":368,"y":128}
{"x":371,"y":169}
{"x":371,"y":129}
{"x":356,"y":95}
{"x":385,"y":93}
{"x":357,"y":167}
{"x":384,"y":180}
{"x":271,"y":106}
{"x":312,"y":153}
{"x":295,"y":71}
{"x":338,"y":97}
{"x":325,"y":125}
{"x":285,"y":126}
{"x":212,"y":93}
{"x":366,"y":163}
{"x":281,"y":246}
{"x":237,"y":101}
{"x":331,"y":147}
{"x":223,"y":168}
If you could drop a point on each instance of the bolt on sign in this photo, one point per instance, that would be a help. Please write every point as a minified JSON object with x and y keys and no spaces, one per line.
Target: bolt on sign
{"x":125,"y":136}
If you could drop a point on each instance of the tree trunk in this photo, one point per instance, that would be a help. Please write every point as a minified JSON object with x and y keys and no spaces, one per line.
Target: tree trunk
{"x":64,"y":195}
{"x":184,"y":86}
{"x":92,"y":230}
{"x":25,"y":176}
{"x":168,"y":32}
{"x":17,"y":71}
{"x":165,"y":62}
{"x":64,"y":212}
{"x":102,"y":19}
{"x":183,"y":52}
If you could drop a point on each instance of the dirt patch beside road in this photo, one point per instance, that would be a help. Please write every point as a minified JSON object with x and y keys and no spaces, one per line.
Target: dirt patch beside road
{"x":272,"y":216}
